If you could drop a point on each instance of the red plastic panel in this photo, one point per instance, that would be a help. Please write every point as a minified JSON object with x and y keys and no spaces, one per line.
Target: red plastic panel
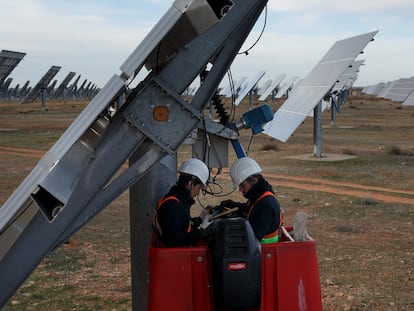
{"x":180,"y":278}
{"x":291,"y":277}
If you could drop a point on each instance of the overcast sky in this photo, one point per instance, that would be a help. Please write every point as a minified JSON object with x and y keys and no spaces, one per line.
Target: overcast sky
{"x":94,"y":37}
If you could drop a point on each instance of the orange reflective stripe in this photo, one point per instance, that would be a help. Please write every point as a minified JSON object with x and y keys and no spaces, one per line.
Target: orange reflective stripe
{"x":161,"y":202}
{"x":272,"y":235}
{"x":265,"y":194}
{"x":275,"y":233}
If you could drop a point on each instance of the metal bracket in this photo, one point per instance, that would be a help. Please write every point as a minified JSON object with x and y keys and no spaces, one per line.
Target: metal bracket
{"x":162,"y":115}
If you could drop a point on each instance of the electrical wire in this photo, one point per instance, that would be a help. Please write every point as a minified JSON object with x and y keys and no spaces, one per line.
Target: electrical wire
{"x":246,"y":52}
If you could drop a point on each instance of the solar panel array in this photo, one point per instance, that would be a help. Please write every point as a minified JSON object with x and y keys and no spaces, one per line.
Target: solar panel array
{"x":233,"y":89}
{"x":348,"y":77}
{"x":274,"y":85}
{"x":286,"y":87}
{"x":409,"y":101}
{"x":341,"y":90}
{"x":249,"y":87}
{"x":9,"y":61}
{"x":400,"y":90}
{"x":41,"y":85}
{"x":374,"y":89}
{"x":319,"y":82}
{"x":263,"y":88}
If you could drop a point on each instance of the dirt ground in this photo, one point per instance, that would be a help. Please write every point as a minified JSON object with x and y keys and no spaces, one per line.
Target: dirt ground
{"x":361,"y":210}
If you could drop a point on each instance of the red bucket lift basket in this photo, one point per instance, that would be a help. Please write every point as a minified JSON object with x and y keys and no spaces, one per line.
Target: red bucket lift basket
{"x":181,"y":279}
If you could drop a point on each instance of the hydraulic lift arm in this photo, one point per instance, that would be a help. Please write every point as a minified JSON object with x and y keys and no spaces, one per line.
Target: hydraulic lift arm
{"x":77,"y":177}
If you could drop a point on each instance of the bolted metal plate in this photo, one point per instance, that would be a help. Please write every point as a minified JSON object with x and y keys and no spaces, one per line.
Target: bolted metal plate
{"x":172,"y":131}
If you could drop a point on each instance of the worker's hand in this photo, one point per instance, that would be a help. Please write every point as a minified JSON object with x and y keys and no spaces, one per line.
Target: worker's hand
{"x":229,"y":204}
{"x":208,"y":228}
{"x":196,"y":222}
{"x":206,"y":212}
{"x":206,"y":223}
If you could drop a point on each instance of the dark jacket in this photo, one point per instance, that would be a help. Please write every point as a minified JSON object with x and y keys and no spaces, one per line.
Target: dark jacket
{"x":174,"y":219}
{"x":265,"y":215}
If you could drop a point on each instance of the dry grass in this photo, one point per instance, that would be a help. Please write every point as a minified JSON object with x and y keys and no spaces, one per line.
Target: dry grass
{"x":361,"y":211}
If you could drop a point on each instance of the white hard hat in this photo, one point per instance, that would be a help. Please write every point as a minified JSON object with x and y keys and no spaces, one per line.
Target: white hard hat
{"x":242,"y":169}
{"x":195,"y":167}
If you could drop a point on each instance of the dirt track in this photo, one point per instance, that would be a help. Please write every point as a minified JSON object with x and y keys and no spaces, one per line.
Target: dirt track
{"x":388,"y":195}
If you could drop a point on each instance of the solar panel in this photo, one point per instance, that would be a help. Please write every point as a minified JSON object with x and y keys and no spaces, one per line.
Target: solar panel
{"x":5,"y":86}
{"x":374,"y":89}
{"x":72,"y":89}
{"x":263,"y":88}
{"x":349,"y":76}
{"x":41,"y":85}
{"x":51,"y":88}
{"x":409,"y":101}
{"x":400,"y":89}
{"x":285,"y":87}
{"x":8,"y":61}
{"x":15,"y":91}
{"x":275,"y":83}
{"x":383,"y":93}
{"x":228,"y":92}
{"x":306,"y":95}
{"x":249,"y":87}
{"x":179,"y":25}
{"x":63,"y":85}
{"x":24,"y":90}
{"x":338,"y":95}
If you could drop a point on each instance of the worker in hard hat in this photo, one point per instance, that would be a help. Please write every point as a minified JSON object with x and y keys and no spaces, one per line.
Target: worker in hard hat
{"x":262,"y":208}
{"x":173,"y":220}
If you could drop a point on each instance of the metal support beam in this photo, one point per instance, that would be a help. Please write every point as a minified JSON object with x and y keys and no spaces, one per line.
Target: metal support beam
{"x":143,"y":197}
{"x":76,"y":178}
{"x":317,"y":130}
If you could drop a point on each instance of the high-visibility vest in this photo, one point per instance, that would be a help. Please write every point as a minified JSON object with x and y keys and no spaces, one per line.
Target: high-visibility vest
{"x":161,"y":202}
{"x":272,"y":237}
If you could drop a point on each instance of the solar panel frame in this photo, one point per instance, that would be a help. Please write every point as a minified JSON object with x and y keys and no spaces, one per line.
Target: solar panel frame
{"x":8,"y":62}
{"x":307,"y":94}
